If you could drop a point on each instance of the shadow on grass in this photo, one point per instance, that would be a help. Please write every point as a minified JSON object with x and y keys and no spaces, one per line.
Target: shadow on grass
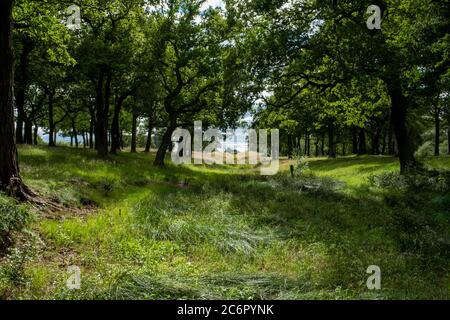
{"x":353,"y":231}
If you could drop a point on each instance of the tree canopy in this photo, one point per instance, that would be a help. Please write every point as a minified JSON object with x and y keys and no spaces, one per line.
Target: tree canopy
{"x":113,"y":72}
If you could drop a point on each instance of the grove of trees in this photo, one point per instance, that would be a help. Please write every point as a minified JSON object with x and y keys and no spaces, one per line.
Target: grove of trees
{"x":311,"y":68}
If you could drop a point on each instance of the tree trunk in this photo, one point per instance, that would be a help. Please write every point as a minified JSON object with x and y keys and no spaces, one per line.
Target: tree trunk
{"x":289,"y":145}
{"x":51,"y":123}
{"x":331,"y":144}
{"x":165,"y":144}
{"x":437,"y":137}
{"x":316,"y":145}
{"x":383,"y":148}
{"x":28,"y":131}
{"x":148,"y":144}
{"x":74,"y":132}
{"x":104,"y":152}
{"x":322,"y":145}
{"x":19,"y":128}
{"x":10,"y":180}
{"x":121,"y":140}
{"x":100,"y":138}
{"x":404,"y":144}
{"x":376,"y":141}
{"x":102,"y":109}
{"x":354,"y":140}
{"x":305,"y":144}
{"x":362,"y":148}
{"x":308,"y":145}
{"x":390,"y":138}
{"x":134,"y":132}
{"x":115,"y":130}
{"x":115,"y":125}
{"x":35,"y":134}
{"x":91,"y":131}
{"x":22,"y":84}
{"x":84,"y":139}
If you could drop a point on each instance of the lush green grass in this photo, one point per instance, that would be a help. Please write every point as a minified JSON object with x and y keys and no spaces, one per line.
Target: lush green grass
{"x":226,"y":232}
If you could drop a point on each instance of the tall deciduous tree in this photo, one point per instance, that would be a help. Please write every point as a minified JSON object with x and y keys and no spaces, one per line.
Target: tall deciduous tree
{"x":188,"y":59}
{"x":9,"y":168}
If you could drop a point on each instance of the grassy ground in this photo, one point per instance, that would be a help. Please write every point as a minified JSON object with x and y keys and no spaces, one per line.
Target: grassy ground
{"x":225,"y":232}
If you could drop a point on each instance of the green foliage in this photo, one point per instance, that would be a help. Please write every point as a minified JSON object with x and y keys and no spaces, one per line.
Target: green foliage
{"x":106,"y":186}
{"x":302,"y":163}
{"x":319,"y":66}
{"x":310,"y":68}
{"x":437,"y":181}
{"x":12,"y":219}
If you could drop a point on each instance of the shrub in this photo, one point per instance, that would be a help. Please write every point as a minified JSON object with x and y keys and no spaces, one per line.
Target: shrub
{"x":12,"y":218}
{"x":425,"y":150}
{"x":302,"y":163}
{"x":106,"y":185}
{"x":423,"y":180}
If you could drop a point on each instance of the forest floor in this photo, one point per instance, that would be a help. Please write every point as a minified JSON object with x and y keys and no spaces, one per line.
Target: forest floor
{"x":224,"y":232}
